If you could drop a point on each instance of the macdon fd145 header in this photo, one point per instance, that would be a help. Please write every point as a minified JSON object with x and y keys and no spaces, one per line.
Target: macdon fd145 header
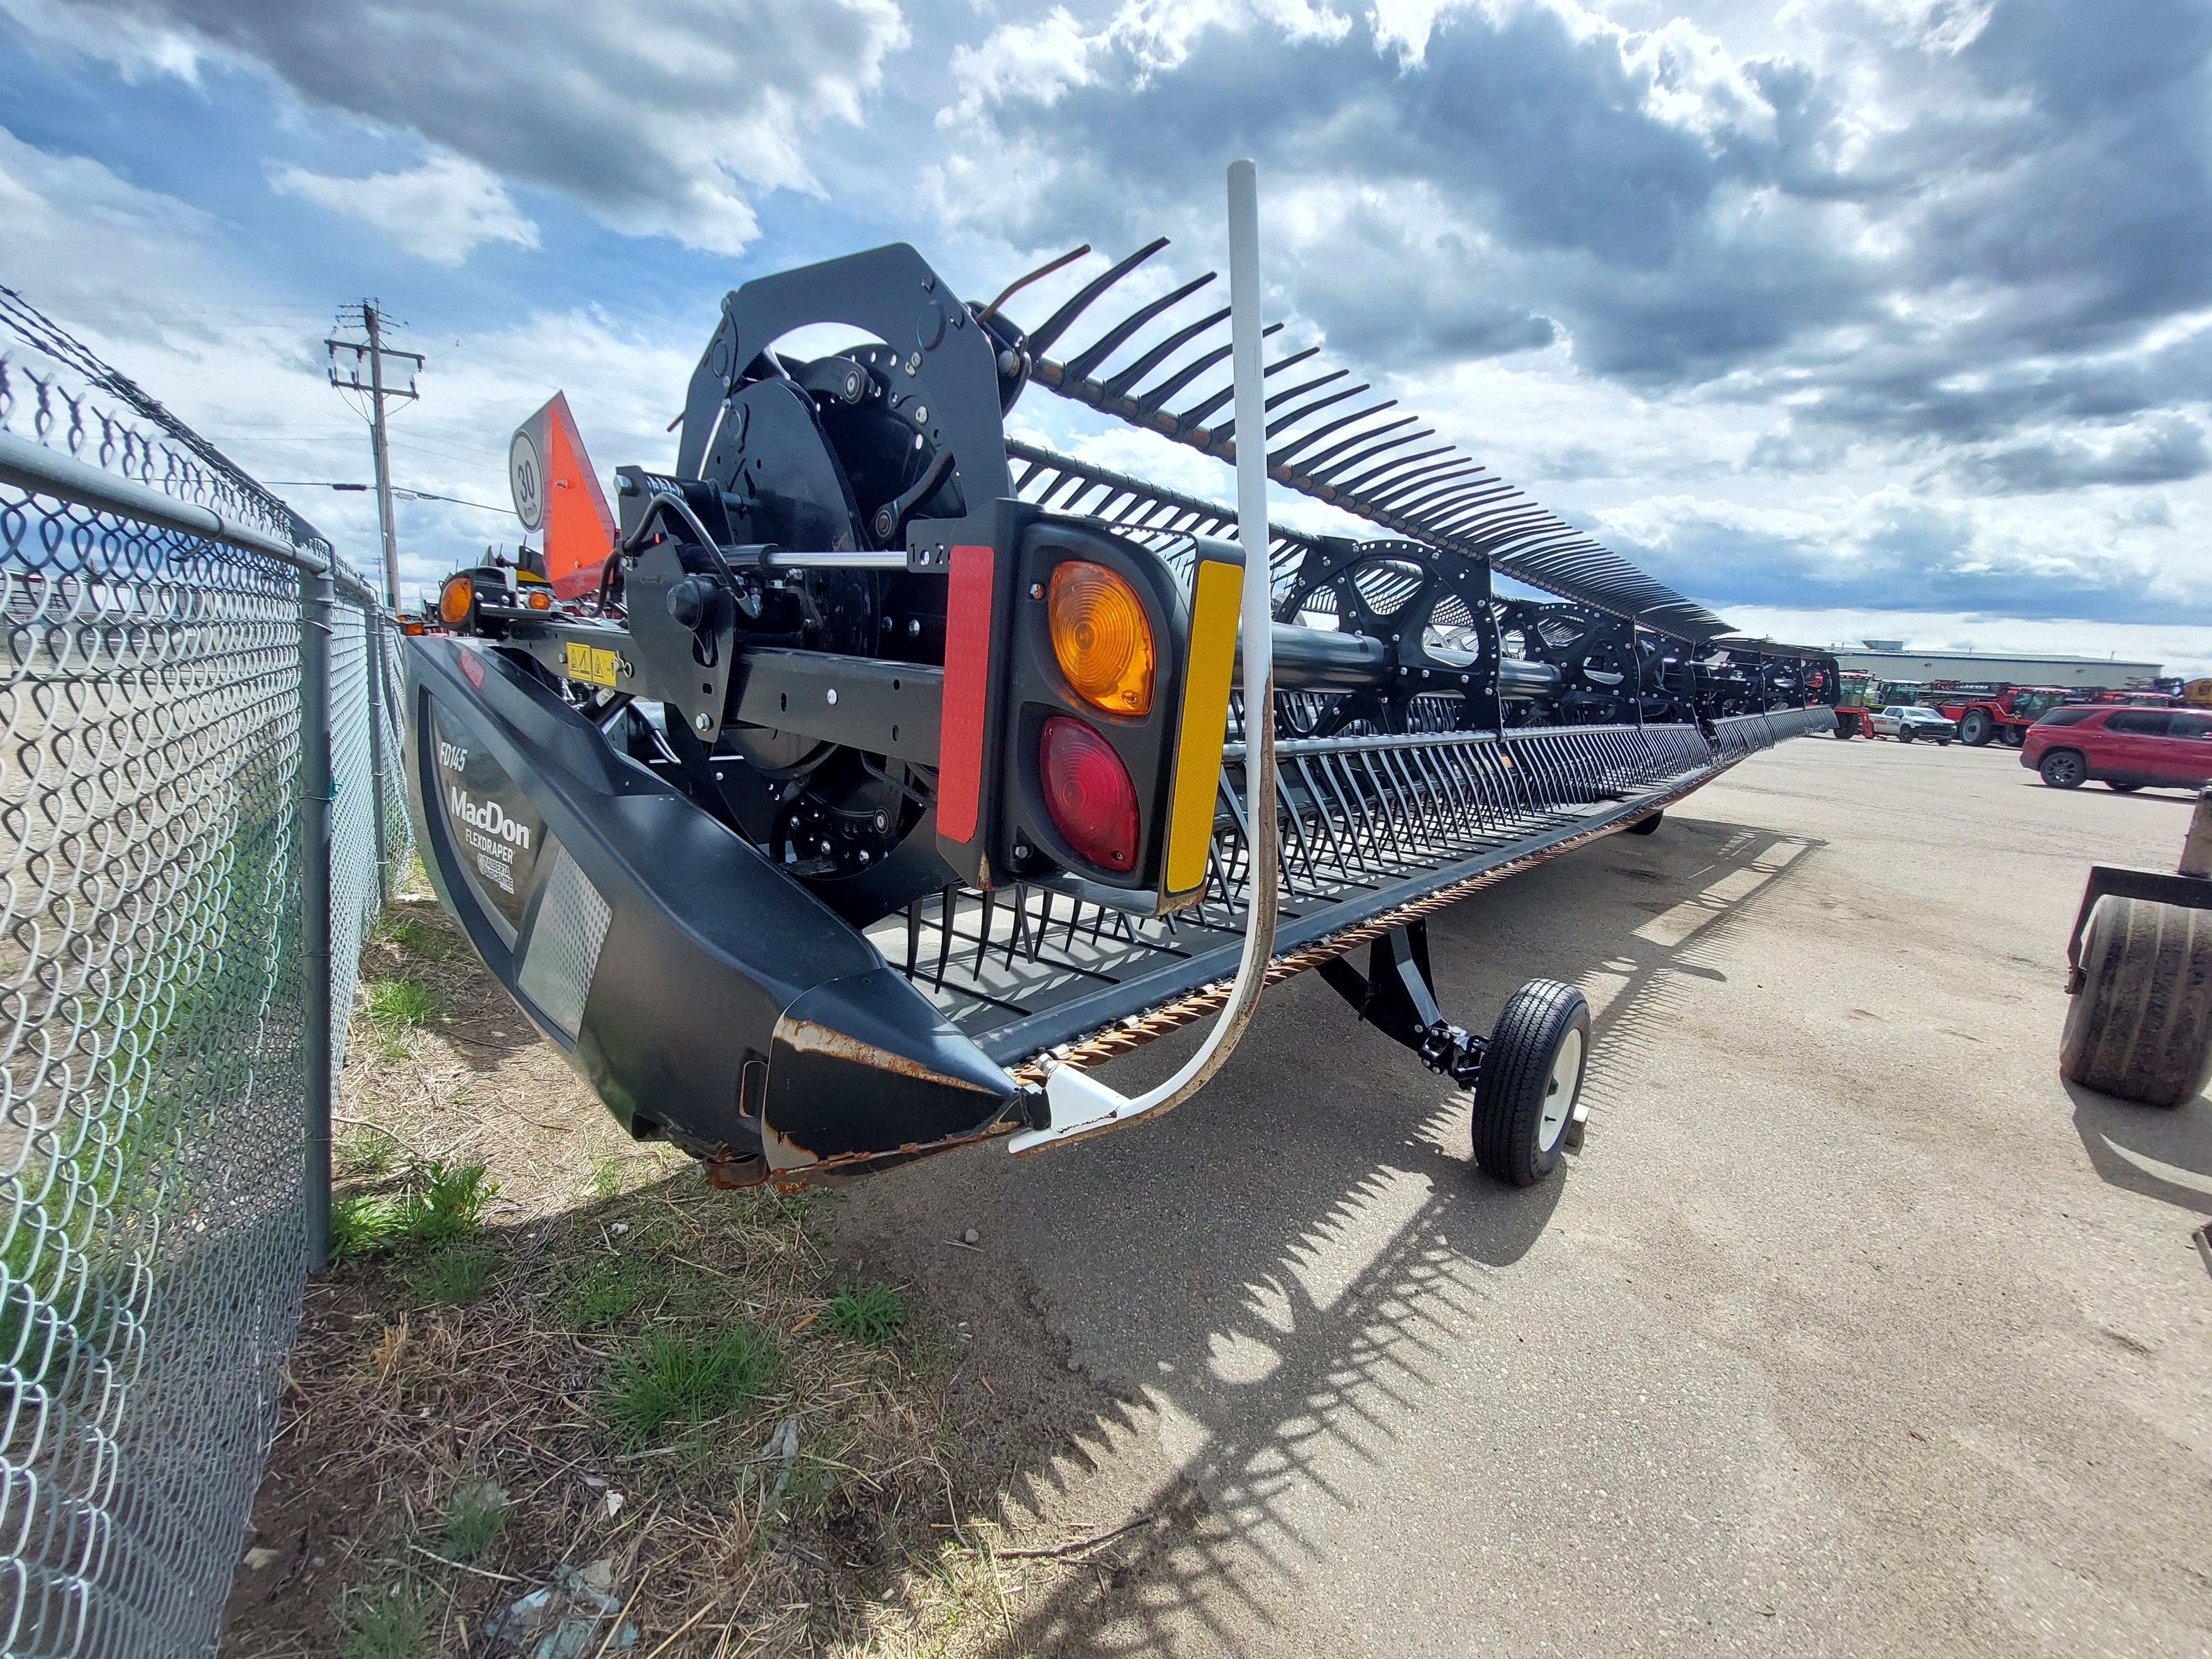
{"x":865,"y":766}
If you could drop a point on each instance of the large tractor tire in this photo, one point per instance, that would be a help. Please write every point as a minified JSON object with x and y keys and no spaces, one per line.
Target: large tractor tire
{"x":1977,"y":728}
{"x":2141,"y":1026}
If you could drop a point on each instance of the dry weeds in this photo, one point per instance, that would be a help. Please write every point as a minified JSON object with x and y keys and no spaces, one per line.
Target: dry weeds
{"x":721,"y":1538}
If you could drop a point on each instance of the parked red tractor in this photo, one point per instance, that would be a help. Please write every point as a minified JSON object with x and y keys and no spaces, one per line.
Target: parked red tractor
{"x":1860,"y":695}
{"x":1983,"y":712}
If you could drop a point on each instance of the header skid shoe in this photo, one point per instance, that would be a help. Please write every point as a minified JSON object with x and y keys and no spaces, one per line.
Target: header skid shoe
{"x":704,"y":995}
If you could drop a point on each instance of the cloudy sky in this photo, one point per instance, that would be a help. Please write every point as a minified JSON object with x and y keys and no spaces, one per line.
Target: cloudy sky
{"x":1843,"y":316}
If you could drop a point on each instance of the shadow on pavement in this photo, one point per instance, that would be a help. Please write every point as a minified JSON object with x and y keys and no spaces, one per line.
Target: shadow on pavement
{"x":2163,"y":1152}
{"x":1282,"y":1271}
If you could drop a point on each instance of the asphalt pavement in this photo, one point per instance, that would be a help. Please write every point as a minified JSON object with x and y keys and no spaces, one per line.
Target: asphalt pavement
{"x":1852,"y":1330}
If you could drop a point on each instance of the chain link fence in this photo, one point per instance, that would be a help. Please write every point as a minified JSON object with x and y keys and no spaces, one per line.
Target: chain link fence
{"x":188,"y":885}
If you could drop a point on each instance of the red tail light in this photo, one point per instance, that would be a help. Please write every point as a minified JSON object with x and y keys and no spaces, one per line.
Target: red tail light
{"x":1088,"y":792}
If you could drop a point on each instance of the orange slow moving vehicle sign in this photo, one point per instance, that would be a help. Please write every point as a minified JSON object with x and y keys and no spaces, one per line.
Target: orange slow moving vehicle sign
{"x":559,"y":500}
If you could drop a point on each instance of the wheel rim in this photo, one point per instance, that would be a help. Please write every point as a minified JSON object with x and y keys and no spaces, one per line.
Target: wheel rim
{"x":2062,"y":770}
{"x":1559,"y":1092}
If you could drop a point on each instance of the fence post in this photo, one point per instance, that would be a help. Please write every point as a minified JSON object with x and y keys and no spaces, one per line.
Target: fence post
{"x":372,"y":629}
{"x":315,"y":898}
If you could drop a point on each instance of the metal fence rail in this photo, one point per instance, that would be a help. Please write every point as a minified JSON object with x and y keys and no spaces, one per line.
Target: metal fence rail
{"x":184,"y":909}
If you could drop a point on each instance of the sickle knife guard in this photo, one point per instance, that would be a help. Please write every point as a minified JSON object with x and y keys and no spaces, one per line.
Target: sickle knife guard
{"x":801,"y":835}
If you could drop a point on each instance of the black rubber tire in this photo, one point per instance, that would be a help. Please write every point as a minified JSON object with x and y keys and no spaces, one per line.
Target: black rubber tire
{"x":1977,"y":728}
{"x":2141,"y":1026}
{"x":2065,"y":768}
{"x":1942,"y":743}
{"x":1516,"y":1081}
{"x":1646,"y":826}
{"x":1846,"y":729}
{"x":1904,"y":733}
{"x":2013,"y":736}
{"x":2122,"y":789}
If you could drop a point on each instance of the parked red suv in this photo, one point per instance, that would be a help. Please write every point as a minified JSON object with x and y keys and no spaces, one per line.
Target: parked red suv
{"x":2123,"y":748}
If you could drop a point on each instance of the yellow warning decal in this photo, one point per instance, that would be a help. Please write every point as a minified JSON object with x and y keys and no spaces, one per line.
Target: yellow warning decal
{"x":1216,"y":592}
{"x":589,"y":663}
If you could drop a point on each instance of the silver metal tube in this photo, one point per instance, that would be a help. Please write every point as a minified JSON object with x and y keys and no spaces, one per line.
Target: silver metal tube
{"x":1315,"y":659}
{"x":372,"y":667}
{"x":1080,"y":1104}
{"x":315,"y":1022}
{"x":861,"y":559}
{"x":42,"y":472}
{"x":1518,"y":678}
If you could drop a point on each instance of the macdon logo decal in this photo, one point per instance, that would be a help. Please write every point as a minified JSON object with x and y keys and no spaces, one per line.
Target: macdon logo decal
{"x":486,"y":817}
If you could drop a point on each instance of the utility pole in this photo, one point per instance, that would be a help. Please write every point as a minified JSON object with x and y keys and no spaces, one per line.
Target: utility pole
{"x":383,"y":454}
{"x":346,"y":365}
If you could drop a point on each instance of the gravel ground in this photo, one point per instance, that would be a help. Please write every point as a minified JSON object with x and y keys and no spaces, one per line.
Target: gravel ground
{"x":1851,"y":1331}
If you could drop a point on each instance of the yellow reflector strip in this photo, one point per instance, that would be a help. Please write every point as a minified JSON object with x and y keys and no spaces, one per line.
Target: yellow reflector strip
{"x":1215,"y":592}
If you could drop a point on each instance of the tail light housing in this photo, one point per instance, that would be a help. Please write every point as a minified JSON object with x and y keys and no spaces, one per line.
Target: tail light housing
{"x":457,"y":599}
{"x":1088,"y":794}
{"x":1086,"y":694}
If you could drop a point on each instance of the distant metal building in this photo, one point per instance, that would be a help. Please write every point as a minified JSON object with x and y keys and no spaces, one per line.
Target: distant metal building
{"x":2108,"y":673}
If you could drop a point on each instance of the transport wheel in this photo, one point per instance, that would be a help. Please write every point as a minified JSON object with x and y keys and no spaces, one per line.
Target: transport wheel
{"x":1942,"y":743}
{"x":1977,"y":728}
{"x":2063,"y":768}
{"x":1847,"y":729}
{"x":1645,"y":826}
{"x":2122,"y":789}
{"x":2141,"y":1026}
{"x":1531,"y":1077}
{"x":2015,"y":736}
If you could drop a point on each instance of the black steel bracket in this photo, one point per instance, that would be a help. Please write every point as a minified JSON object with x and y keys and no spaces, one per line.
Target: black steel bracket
{"x":1397,"y":996}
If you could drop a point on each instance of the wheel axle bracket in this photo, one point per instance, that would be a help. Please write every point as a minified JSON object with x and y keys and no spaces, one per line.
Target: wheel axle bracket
{"x":1397,"y":996}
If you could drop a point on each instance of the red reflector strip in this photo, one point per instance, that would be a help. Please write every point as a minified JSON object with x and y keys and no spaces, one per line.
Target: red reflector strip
{"x":471,"y":668}
{"x":966,"y":693}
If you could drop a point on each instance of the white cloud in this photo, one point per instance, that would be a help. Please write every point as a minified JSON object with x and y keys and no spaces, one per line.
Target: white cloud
{"x":669,"y":118}
{"x":1034,"y":62}
{"x":82,"y":239}
{"x":246,"y":367}
{"x":440,"y":211}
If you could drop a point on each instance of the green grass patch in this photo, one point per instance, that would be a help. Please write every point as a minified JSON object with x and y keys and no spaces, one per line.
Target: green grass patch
{"x":475,"y":1516}
{"x":367,"y":1154}
{"x":606,"y":1177}
{"x":423,"y":938}
{"x":444,"y":1204}
{"x":605,"y":1292}
{"x":440,"y":1205}
{"x":396,"y":1622}
{"x":455,"y":1276}
{"x":865,"y":1313}
{"x":364,"y":1224}
{"x":669,"y":1378}
{"x":811,"y":1484}
{"x":405,"y":1002}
